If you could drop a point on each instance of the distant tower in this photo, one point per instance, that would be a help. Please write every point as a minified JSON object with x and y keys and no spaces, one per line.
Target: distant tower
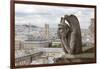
{"x":29,"y":27}
{"x":91,"y":28}
{"x":47,"y":31}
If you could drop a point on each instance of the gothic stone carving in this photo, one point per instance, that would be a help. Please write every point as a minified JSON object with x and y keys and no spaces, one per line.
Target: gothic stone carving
{"x":70,"y":34}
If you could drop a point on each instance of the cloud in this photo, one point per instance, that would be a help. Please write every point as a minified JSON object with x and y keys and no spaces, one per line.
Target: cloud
{"x":39,"y":15}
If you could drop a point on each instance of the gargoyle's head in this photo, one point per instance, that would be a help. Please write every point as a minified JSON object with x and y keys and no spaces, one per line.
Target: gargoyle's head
{"x":63,"y":28}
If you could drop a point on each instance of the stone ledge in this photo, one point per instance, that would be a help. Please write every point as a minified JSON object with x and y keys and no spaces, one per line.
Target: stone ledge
{"x":83,"y":55}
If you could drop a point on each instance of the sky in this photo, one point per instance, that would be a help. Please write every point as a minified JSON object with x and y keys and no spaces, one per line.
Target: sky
{"x":41,"y":15}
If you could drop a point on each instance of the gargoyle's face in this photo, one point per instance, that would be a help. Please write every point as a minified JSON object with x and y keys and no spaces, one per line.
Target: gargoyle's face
{"x":63,"y":30}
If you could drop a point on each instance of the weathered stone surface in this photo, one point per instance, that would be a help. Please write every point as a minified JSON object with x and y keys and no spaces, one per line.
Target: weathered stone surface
{"x":70,"y":34}
{"x":87,"y":56}
{"x":64,"y":34}
{"x":83,"y":55}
